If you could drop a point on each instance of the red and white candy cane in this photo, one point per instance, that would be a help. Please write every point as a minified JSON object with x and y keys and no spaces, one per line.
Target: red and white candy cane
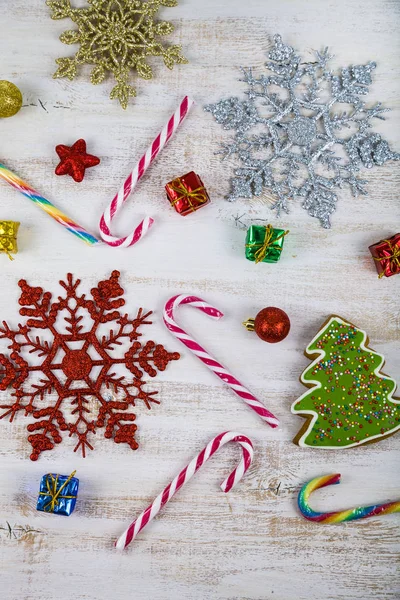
{"x":137,"y":173}
{"x":186,"y":474}
{"x":209,"y":360}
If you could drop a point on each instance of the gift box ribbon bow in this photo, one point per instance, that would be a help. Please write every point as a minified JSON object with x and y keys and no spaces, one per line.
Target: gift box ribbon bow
{"x":53,"y":493}
{"x":268,"y":242}
{"x":199,"y":194}
{"x":4,"y":248}
{"x":394,"y":258}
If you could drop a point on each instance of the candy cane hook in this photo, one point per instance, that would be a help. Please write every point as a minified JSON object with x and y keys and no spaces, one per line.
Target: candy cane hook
{"x":361,"y":512}
{"x":209,"y":360}
{"x":137,"y":173}
{"x":187,"y":473}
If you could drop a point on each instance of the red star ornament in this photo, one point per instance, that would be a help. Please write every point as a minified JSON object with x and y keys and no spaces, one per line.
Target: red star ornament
{"x":74,"y":160}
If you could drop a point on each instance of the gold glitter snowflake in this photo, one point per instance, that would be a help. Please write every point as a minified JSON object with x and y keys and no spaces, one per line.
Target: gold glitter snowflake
{"x":115,"y":36}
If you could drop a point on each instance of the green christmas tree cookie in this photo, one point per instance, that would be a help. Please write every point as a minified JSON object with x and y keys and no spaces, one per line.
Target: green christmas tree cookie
{"x":350,"y":402}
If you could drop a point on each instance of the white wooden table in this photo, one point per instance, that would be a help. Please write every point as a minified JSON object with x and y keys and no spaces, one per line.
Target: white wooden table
{"x":251,"y":544}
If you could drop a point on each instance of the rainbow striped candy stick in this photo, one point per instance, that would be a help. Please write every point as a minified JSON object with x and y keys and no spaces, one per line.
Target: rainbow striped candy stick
{"x":361,"y":512}
{"x":47,"y":206}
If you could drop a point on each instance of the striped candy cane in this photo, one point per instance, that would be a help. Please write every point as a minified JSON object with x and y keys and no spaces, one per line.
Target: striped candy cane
{"x":139,"y":170}
{"x":209,"y":360}
{"x":187,"y":473}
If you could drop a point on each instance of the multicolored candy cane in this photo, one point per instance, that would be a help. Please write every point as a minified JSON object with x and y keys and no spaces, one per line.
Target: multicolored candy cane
{"x":209,"y":360}
{"x":47,"y":206}
{"x":137,"y":173}
{"x":187,"y":473}
{"x":361,"y":512}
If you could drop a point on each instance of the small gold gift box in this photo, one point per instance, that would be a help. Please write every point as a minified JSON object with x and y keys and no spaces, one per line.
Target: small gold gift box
{"x":8,"y":237}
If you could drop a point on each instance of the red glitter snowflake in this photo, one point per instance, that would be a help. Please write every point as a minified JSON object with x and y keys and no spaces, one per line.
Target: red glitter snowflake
{"x":73,"y":364}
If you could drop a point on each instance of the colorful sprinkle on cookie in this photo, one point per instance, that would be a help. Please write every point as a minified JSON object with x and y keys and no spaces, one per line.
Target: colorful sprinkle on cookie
{"x":350,"y":401}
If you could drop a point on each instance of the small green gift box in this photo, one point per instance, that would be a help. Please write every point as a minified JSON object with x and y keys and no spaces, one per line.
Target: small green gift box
{"x":264,"y":244}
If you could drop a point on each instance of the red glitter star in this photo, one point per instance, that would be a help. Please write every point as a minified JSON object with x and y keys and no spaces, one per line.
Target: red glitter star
{"x":74,"y":160}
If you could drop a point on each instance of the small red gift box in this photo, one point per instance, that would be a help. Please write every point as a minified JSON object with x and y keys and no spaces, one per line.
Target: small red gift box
{"x":387,"y":256}
{"x":187,"y":193}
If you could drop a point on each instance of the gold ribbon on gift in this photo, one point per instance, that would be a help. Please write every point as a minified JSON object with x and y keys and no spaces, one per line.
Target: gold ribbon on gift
{"x":394,"y":258}
{"x":268,"y":242}
{"x":53,"y":493}
{"x":3,"y":248}
{"x":199,"y":194}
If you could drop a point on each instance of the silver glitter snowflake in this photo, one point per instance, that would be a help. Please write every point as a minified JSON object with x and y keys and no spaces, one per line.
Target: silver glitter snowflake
{"x":295,"y":135}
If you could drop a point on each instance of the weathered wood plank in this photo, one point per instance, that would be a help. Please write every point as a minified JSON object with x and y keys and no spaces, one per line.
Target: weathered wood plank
{"x":250,"y":544}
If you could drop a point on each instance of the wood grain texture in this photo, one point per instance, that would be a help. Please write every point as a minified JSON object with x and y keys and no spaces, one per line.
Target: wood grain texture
{"x":250,"y":544}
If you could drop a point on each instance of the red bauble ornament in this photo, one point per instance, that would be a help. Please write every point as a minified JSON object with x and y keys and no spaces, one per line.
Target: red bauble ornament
{"x":271,"y":324}
{"x":74,"y":160}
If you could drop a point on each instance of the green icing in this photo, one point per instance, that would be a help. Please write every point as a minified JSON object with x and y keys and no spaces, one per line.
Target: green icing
{"x":352,"y":404}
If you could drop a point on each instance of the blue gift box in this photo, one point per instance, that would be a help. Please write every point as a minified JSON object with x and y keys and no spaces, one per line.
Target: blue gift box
{"x":58,"y":493}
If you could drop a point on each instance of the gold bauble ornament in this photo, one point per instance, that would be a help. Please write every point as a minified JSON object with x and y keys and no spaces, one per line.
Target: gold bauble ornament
{"x":10,"y":99}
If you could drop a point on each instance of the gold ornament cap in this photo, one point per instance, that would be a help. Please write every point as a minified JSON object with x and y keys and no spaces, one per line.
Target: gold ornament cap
{"x":249,"y":324}
{"x":10,"y":99}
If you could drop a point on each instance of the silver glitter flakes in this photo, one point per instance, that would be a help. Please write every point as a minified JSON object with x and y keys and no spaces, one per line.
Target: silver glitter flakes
{"x":295,"y":137}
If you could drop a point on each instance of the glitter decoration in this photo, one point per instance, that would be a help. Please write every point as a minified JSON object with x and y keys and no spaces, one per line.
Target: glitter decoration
{"x":115,"y":36}
{"x":303,"y":141}
{"x":350,"y":401}
{"x":74,"y":160}
{"x":271,"y":324}
{"x":72,"y":365}
{"x":10,"y":99}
